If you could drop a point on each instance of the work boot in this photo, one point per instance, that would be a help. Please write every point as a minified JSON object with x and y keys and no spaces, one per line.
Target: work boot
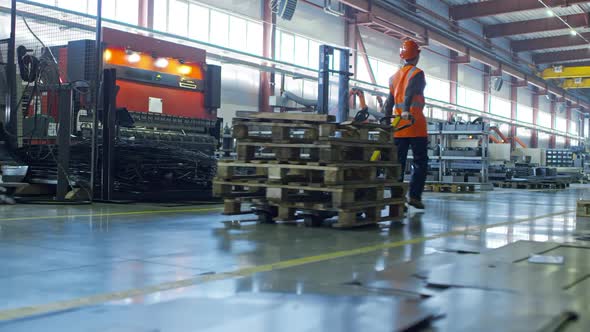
{"x":416,"y":203}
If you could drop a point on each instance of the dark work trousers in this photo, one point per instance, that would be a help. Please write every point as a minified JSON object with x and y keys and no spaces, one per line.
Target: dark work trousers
{"x":419,"y":147}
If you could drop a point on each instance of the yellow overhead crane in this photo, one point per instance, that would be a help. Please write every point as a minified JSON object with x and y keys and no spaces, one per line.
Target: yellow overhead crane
{"x":566,"y":72}
{"x":574,"y":77}
{"x":576,"y":83}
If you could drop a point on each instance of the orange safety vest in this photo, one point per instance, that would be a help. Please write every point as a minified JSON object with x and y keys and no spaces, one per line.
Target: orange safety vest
{"x":398,"y":85}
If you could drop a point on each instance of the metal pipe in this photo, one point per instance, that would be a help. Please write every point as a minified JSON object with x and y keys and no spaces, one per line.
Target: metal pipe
{"x":299,"y":100}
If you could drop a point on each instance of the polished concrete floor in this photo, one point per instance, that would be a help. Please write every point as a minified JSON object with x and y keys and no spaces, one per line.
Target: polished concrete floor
{"x":55,"y":260}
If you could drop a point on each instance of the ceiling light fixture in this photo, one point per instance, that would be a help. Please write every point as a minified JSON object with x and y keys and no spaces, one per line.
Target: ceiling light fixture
{"x":550,"y":13}
{"x":573,"y":32}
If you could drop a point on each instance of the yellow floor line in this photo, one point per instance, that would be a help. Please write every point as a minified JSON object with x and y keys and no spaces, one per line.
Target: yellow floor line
{"x":112,"y":214}
{"x":23,"y":312}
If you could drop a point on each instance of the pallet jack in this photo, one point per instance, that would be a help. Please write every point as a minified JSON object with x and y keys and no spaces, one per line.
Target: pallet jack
{"x":364,"y":114}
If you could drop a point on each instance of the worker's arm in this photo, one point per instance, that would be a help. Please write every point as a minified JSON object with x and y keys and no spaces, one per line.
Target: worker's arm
{"x":415,"y":88}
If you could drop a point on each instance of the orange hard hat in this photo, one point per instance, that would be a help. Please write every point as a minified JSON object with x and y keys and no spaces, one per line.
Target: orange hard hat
{"x":409,"y":50}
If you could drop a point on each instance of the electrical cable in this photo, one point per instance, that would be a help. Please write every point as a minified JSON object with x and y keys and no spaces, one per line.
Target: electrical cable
{"x":572,"y":29}
{"x":39,"y":39}
{"x":39,"y":82}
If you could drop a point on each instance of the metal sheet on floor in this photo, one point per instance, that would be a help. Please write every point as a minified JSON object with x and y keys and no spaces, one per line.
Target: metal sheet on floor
{"x":487,"y":310}
{"x":244,"y":312}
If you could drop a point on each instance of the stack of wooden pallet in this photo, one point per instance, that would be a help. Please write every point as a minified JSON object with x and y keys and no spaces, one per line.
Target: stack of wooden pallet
{"x":308,"y":167}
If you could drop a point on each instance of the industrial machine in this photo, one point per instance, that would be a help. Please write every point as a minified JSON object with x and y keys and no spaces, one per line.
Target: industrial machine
{"x":158,"y":134}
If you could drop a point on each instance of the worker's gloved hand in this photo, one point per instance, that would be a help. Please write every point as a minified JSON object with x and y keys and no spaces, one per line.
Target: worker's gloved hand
{"x":405,"y":115}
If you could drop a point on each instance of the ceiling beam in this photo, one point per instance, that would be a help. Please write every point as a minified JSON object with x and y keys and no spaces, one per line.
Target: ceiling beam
{"x":497,"y":7}
{"x":562,"y":56}
{"x":548,"y":42}
{"x":538,"y":25}
{"x":455,"y":44}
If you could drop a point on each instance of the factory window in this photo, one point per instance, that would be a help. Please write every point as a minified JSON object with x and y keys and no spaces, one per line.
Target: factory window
{"x":375,"y":67}
{"x":161,"y":20}
{"x":523,"y":132}
{"x":302,"y":51}
{"x":198,"y":24}
{"x":437,"y":89}
{"x":126,"y":11}
{"x":314,"y":54}
{"x":310,"y":89}
{"x":254,"y":38}
{"x":500,"y":107}
{"x":439,"y":114}
{"x":573,"y":127}
{"x":524,"y":114}
{"x":560,"y":140}
{"x":381,"y":69}
{"x":470,"y":98}
{"x":76,"y":6}
{"x":287,"y":48}
{"x":238,"y":33}
{"x":109,"y":9}
{"x":504,"y":128}
{"x":178,"y":14}
{"x":384,"y":72}
{"x":219,"y":29}
{"x":561,"y":124}
{"x":81,"y":6}
{"x":544,"y":119}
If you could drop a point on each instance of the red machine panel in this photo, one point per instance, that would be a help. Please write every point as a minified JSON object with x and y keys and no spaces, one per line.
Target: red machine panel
{"x":148,"y":67}
{"x":135,"y":96}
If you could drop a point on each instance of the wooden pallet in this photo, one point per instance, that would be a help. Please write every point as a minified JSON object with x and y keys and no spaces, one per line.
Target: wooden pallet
{"x":583,"y":208}
{"x":285,"y":131}
{"x":453,"y":188}
{"x":286,"y":117}
{"x":321,"y":151}
{"x":337,"y":196}
{"x":344,"y":218}
{"x":319,"y":173}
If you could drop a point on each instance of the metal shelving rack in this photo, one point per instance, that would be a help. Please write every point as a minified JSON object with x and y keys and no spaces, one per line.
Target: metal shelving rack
{"x":443,"y":138}
{"x":447,"y":136}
